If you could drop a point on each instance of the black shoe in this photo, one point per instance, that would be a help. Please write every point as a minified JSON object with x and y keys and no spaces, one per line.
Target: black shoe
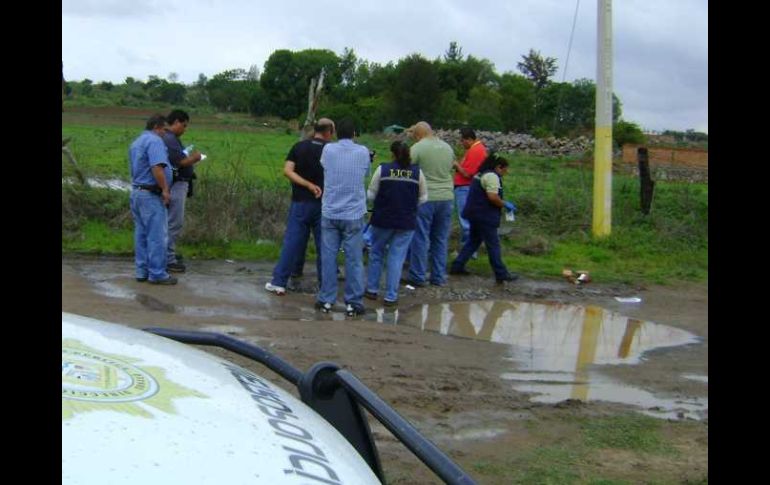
{"x":416,"y":284}
{"x":370,"y":295}
{"x":508,"y":277}
{"x":389,"y":303}
{"x":353,"y":310}
{"x":141,"y":280}
{"x":459,"y":271}
{"x":176,"y":268}
{"x":323,"y":307}
{"x":168,"y":281}
{"x":436,"y":283}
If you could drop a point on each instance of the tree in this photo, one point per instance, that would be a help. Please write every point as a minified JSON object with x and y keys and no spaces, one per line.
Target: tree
{"x":626,"y":132}
{"x":173,"y":77}
{"x":517,"y":104}
{"x":454,"y":53}
{"x":287,"y":75}
{"x":415,"y":92}
{"x":537,"y":68}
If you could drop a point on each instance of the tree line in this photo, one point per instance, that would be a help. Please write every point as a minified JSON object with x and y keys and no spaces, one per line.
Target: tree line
{"x":450,"y":91}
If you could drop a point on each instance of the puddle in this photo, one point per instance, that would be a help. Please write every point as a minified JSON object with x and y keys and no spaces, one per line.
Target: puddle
{"x":558,"y":350}
{"x":694,"y":377}
{"x":113,"y":184}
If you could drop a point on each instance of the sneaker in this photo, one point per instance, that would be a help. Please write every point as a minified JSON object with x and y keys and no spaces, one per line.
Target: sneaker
{"x":168,"y":281}
{"x":142,"y":280}
{"x":459,"y":271}
{"x":390,"y":303}
{"x":278,"y":290}
{"x":353,"y":310}
{"x":323,"y":307}
{"x":370,"y":295}
{"x":508,"y":277}
{"x":176,"y":268}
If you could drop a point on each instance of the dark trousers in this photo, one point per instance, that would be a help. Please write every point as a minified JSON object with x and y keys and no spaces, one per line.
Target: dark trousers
{"x":480,"y":232}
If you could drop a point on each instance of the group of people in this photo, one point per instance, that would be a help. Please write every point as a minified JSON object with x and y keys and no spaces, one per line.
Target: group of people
{"x":162,"y":173}
{"x":412,"y":197}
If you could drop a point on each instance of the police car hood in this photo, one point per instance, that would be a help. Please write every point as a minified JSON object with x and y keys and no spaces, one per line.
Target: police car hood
{"x":138,"y":408}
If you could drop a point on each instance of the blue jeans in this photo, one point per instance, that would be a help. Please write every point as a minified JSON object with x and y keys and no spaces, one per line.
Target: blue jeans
{"x":431,"y":239}
{"x":397,"y":243}
{"x":488,"y":234}
{"x":303,"y":218}
{"x":175,"y":217}
{"x":150,"y":234}
{"x":461,"y":197}
{"x":349,"y":235}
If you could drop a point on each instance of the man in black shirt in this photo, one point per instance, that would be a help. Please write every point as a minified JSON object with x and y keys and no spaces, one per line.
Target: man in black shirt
{"x":303,"y":168}
{"x":182,"y":162}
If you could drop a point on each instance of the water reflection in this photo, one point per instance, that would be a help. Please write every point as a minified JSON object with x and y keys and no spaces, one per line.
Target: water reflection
{"x":556,"y":346}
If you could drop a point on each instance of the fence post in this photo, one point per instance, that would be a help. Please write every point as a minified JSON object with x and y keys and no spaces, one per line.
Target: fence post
{"x":647,"y":185}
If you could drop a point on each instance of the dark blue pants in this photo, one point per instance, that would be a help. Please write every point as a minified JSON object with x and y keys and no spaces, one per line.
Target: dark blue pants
{"x":304,"y":218}
{"x":488,"y":234}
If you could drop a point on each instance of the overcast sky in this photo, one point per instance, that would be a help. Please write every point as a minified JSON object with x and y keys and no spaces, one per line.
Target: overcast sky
{"x":660,"y":47}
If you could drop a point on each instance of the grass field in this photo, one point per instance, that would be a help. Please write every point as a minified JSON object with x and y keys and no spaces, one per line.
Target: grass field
{"x":241,"y":200}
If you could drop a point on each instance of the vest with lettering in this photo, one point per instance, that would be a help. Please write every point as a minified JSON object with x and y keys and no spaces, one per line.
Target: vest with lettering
{"x":478,"y":208}
{"x":395,"y":206}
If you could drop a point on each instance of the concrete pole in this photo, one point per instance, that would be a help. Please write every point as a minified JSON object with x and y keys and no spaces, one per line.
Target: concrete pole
{"x":602,"y":213}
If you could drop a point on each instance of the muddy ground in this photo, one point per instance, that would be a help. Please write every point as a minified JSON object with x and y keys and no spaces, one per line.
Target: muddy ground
{"x":449,"y":387}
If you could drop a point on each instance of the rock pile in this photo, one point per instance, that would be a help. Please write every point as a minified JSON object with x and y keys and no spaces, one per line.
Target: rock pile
{"x":523,"y":143}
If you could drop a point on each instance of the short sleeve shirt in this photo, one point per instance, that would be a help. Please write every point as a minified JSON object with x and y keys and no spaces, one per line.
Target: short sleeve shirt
{"x":490,"y":182}
{"x":435,"y":158}
{"x":147,"y":151}
{"x":306,"y":156}
{"x":473,"y":159}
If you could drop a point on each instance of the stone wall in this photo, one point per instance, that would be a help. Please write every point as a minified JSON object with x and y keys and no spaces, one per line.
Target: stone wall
{"x":523,"y":143}
{"x":682,"y":164}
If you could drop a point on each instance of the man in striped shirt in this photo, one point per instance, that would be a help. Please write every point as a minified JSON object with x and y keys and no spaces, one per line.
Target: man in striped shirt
{"x":343,"y":206}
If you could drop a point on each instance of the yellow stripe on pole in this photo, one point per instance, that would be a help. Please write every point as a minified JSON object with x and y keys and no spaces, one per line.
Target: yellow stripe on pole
{"x":602,"y":214}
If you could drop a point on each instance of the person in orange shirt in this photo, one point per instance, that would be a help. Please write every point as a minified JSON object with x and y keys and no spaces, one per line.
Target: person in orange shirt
{"x":475,"y":154}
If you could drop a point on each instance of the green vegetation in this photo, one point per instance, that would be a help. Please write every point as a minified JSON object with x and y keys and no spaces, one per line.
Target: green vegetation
{"x":450,"y":91}
{"x":241,"y":198}
{"x":599,"y":454}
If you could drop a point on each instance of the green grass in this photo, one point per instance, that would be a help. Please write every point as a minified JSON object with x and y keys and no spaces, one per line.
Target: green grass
{"x":633,"y":432}
{"x":578,"y":454}
{"x":242,"y":197}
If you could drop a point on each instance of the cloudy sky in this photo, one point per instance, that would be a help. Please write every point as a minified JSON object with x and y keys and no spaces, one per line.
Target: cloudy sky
{"x":660,"y":47}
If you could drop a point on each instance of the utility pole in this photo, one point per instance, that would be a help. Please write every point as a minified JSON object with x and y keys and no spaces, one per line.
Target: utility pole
{"x":602,"y":213}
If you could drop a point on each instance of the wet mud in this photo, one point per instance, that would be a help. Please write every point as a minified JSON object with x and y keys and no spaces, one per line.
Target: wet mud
{"x":476,"y":366}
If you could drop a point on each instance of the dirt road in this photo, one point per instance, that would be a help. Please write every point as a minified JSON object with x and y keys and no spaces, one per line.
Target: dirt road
{"x":453,"y":389}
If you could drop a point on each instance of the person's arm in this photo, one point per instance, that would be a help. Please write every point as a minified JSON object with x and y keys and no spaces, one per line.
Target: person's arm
{"x":423,"y":197}
{"x":158,"y":156}
{"x":160,"y":177}
{"x":288,"y":171}
{"x":374,"y":185}
{"x":460,"y":169}
{"x":190,"y":160}
{"x":491,"y":184}
{"x":495,"y":199}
